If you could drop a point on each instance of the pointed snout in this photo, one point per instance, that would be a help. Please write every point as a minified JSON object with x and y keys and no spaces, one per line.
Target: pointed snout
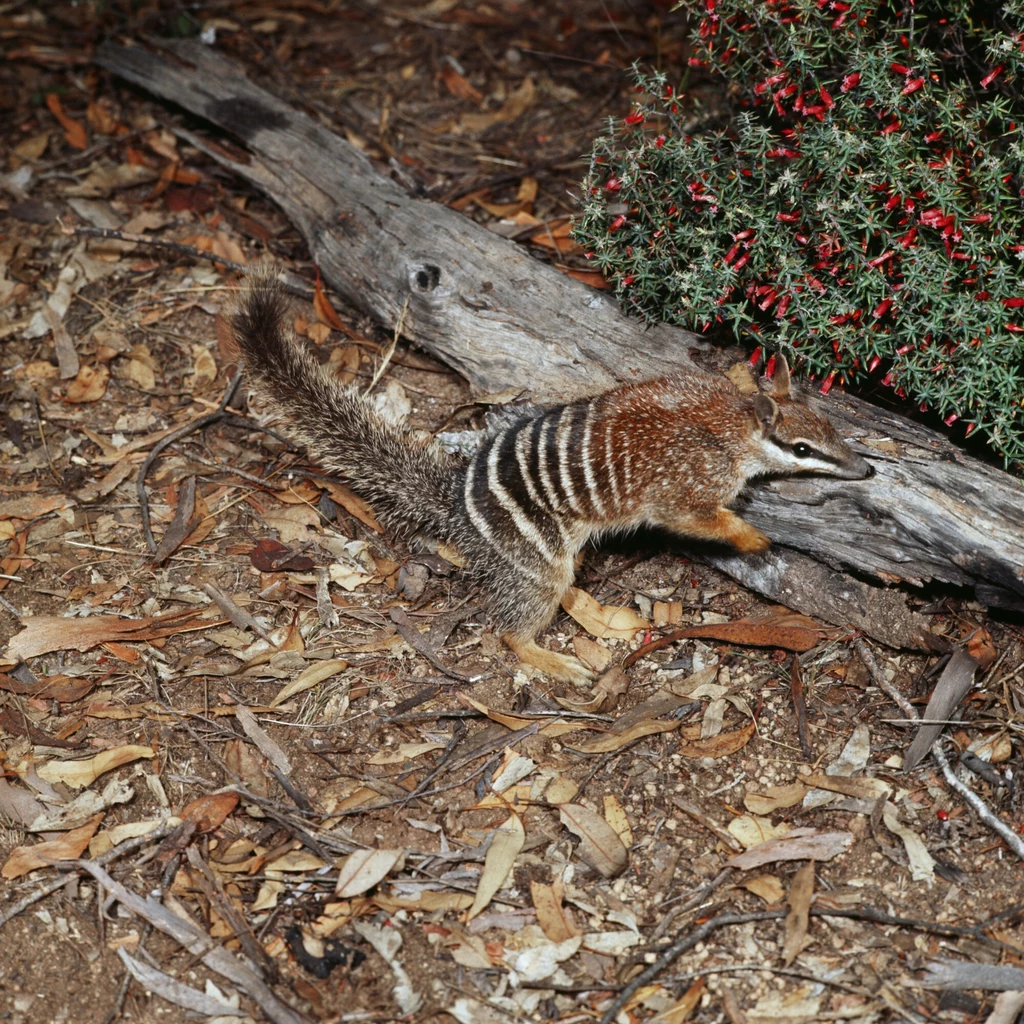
{"x":855,"y":468}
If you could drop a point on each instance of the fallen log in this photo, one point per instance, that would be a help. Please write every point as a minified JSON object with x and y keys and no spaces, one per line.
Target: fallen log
{"x":484,"y":306}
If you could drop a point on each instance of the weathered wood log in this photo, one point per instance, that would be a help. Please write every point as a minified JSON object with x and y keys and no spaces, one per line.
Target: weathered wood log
{"x":501,"y":318}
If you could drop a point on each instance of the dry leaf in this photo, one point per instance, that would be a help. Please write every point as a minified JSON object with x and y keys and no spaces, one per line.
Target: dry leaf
{"x":554,"y":918}
{"x":600,"y":847}
{"x":308,"y":678}
{"x":363,"y":869}
{"x":457,"y":84}
{"x":351,"y":503}
{"x":615,"y":815}
{"x":752,"y":831}
{"x":74,"y":132}
{"x":209,"y":812}
{"x":591,"y":653}
{"x":722,"y":745}
{"x":324,"y":310}
{"x":501,"y":855}
{"x":89,"y":386}
{"x":768,"y":887}
{"x":603,"y":621}
{"x":774,"y":798}
{"x":404,"y":752}
{"x":24,"y":859}
{"x":616,"y":740}
{"x":800,"y":844}
{"x":801,"y":892}
{"x":681,"y":1010}
{"x":515,"y":105}
{"x":79,"y":774}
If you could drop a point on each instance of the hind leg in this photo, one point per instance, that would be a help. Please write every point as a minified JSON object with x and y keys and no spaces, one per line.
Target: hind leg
{"x":523,"y":607}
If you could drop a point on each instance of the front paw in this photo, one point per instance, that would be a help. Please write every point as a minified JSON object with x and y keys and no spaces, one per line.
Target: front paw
{"x":751,"y":541}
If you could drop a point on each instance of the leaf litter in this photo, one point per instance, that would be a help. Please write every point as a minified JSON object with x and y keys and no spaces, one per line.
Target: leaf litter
{"x":246,"y":696}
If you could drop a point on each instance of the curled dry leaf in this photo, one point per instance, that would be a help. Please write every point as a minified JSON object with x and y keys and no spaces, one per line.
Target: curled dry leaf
{"x":363,"y":869}
{"x":603,"y":621}
{"x":722,"y":745}
{"x":24,"y":859}
{"x":616,"y":740}
{"x":600,"y":847}
{"x":79,"y":774}
{"x":89,"y":386}
{"x":501,"y":855}
{"x":615,"y":815}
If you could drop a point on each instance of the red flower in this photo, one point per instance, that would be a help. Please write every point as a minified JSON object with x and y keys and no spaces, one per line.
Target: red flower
{"x":636,"y":117}
{"x":849,"y":81}
{"x":912,"y":86}
{"x":991,"y":76}
{"x":900,"y":69}
{"x":617,"y":222}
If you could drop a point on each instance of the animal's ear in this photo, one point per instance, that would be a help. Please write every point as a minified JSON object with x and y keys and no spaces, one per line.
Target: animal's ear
{"x":780,"y":382}
{"x":766,"y":412}
{"x":742,"y":375}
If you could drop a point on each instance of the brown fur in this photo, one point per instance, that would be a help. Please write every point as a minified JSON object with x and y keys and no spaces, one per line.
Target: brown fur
{"x":672,"y":452}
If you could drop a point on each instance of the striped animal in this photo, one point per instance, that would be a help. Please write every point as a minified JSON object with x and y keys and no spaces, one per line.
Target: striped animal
{"x":672,"y":452}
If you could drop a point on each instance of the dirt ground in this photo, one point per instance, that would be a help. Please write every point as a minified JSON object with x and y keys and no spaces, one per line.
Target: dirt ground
{"x":304,"y":739}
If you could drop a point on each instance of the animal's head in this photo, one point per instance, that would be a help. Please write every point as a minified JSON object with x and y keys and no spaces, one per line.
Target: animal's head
{"x":795,"y":439}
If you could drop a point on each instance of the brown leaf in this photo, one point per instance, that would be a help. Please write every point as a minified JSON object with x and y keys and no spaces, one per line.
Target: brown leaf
{"x":45,"y":633}
{"x":272,"y":556}
{"x":79,"y":774}
{"x":616,"y":740}
{"x":801,"y":892}
{"x":800,"y":844}
{"x":89,"y":386}
{"x":508,"y":840}
{"x":605,"y":621}
{"x":554,"y":918}
{"x":182,"y":524}
{"x":17,"y":724}
{"x":352,"y":504}
{"x":600,"y":846}
{"x":70,"y":846}
{"x":74,"y":132}
{"x":324,"y":309}
{"x":364,"y":869}
{"x":722,"y":745}
{"x":209,"y":812}
{"x":513,"y":107}
{"x":63,"y":689}
{"x":458,"y":86}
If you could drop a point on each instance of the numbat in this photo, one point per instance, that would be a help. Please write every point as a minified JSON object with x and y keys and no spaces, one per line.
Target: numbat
{"x":672,"y":452}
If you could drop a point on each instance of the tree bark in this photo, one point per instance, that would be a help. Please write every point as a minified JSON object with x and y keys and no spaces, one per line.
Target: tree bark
{"x":501,"y":318}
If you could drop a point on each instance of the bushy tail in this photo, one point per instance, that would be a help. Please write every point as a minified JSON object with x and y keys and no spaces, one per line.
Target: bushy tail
{"x":408,"y":485}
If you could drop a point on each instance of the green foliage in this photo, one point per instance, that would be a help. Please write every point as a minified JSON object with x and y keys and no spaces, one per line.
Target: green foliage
{"x":862,"y":208}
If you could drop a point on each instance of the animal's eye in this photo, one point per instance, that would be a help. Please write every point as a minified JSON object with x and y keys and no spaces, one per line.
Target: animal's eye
{"x":802,"y":451}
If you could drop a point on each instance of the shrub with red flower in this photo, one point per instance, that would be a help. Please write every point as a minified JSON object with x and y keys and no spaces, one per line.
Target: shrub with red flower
{"x":862,"y":208}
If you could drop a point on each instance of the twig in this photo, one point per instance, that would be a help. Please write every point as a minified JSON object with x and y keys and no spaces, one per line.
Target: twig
{"x":796,"y":686}
{"x":878,"y":677}
{"x":128,"y":846}
{"x":390,"y":350}
{"x":984,"y":813}
{"x":188,"y":428}
{"x":688,"y":941}
{"x":980,"y":808}
{"x":198,"y":943}
{"x":114,"y":235}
